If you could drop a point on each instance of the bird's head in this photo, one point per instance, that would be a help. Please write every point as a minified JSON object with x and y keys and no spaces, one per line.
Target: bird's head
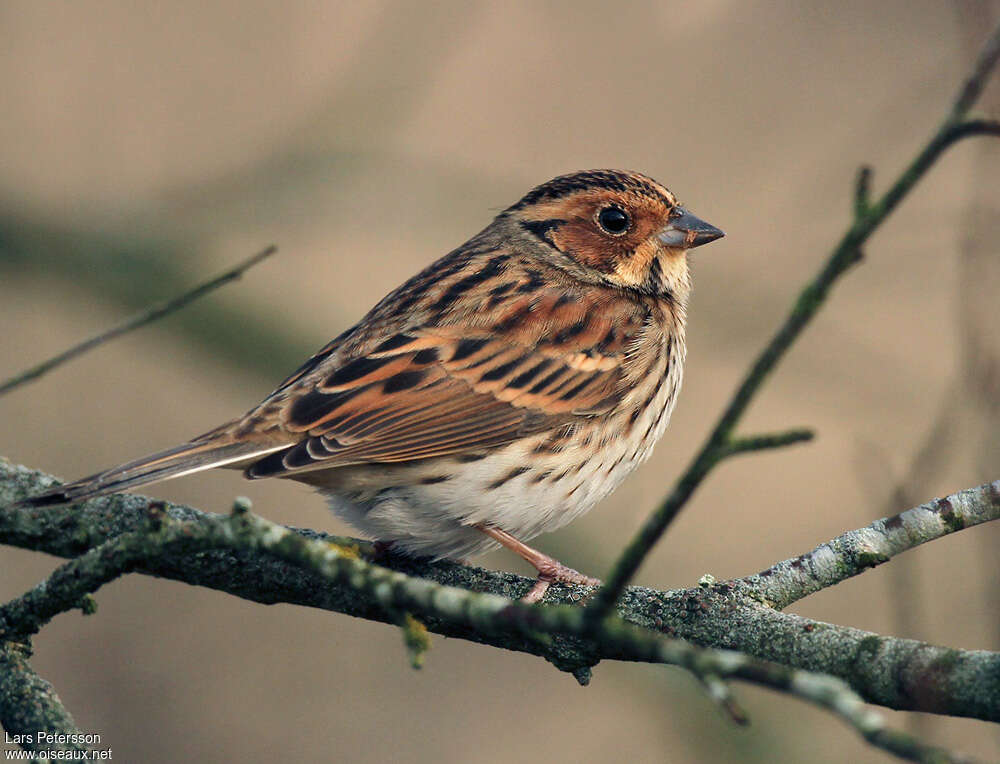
{"x":616,"y":228}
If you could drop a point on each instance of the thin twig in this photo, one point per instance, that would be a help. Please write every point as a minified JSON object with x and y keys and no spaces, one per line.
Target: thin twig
{"x":973,"y":86}
{"x":137,"y":321}
{"x":845,"y":254}
{"x":973,"y":127}
{"x":863,"y":191}
{"x":870,"y":725}
{"x":722,"y":694}
{"x":767,"y":441}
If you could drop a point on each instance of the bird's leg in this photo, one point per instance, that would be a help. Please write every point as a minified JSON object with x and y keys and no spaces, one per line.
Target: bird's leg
{"x":549,"y":570}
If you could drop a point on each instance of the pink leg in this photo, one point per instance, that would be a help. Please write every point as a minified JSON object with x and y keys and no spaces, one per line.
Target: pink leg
{"x":549,"y":570}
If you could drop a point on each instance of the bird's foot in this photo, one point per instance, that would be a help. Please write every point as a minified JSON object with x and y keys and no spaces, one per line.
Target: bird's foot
{"x":550,"y":571}
{"x":554,"y":572}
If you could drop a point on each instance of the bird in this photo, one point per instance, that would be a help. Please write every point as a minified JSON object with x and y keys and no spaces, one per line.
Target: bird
{"x":498,"y":394}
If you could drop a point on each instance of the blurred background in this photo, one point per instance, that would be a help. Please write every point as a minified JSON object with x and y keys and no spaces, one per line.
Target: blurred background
{"x":145,"y":147}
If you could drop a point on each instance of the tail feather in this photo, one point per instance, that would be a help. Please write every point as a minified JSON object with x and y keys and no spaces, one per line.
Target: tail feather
{"x":173,"y":462}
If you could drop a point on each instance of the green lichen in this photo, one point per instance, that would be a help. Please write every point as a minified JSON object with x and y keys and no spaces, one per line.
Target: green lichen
{"x":417,"y":640}
{"x":868,"y":647}
{"x":88,"y":605}
{"x":952,"y":521}
{"x":870,"y":559}
{"x":947,"y":661}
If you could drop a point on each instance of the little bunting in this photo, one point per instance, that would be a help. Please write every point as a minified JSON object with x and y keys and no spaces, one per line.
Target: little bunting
{"x":496,"y":395}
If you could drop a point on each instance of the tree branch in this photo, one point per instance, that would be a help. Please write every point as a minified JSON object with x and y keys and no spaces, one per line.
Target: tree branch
{"x":903,"y":674}
{"x":68,"y":586}
{"x":863,"y":191}
{"x":394,"y":592}
{"x":767,"y":441}
{"x":867,"y":218}
{"x":973,"y":86}
{"x":148,"y":316}
{"x":857,"y":551}
{"x":29,"y":705}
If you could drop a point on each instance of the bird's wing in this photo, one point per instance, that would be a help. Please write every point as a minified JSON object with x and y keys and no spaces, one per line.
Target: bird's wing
{"x":538,"y":364}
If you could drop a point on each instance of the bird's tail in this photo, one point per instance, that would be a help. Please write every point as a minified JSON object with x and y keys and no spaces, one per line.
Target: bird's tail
{"x":174,"y":462}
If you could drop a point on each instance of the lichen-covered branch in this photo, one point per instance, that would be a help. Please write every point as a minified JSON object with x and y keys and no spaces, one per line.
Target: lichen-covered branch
{"x":29,"y":705}
{"x":67,"y":587}
{"x":903,"y":674}
{"x":396,"y":592}
{"x":867,"y":217}
{"x":856,"y":551}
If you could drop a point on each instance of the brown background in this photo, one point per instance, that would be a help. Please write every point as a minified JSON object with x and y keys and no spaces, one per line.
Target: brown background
{"x":144,"y":147}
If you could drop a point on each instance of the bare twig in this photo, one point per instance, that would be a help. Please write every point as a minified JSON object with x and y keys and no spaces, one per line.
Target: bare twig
{"x":137,"y":321}
{"x":845,"y":254}
{"x":767,"y":441}
{"x":863,"y":191}
{"x":722,"y":694}
{"x":973,"y":86}
{"x":973,"y":127}
{"x":871,"y":726}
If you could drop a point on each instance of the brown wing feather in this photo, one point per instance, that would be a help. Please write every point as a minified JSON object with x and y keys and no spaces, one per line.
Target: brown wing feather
{"x":461,"y":387}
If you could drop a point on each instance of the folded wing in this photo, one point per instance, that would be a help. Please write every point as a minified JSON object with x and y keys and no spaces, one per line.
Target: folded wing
{"x":438,"y":391}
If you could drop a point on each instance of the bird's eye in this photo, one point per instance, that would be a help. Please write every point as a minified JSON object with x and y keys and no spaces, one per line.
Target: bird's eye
{"x":613,"y":220}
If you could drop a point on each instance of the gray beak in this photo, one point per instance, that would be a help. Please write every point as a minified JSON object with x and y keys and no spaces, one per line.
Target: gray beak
{"x":686,"y":231}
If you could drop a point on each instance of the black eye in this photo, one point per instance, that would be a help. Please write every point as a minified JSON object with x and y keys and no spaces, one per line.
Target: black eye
{"x":613,"y":220}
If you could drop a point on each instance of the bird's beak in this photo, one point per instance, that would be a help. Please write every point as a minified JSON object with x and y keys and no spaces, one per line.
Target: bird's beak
{"x":686,"y":231}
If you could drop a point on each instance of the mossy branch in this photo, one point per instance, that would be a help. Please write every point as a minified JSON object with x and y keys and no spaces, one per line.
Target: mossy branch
{"x":475,"y":604}
{"x":164,"y":535}
{"x":29,"y":704}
